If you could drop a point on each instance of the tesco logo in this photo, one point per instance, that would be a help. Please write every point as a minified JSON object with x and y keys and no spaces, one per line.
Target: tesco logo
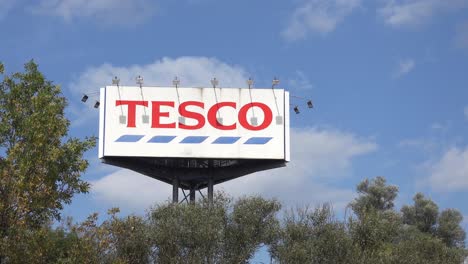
{"x":157,"y":114}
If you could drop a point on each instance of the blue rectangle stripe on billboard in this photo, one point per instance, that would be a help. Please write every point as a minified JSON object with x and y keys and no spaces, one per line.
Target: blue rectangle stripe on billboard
{"x":226,"y":140}
{"x":161,"y":139}
{"x":258,"y":140}
{"x":193,"y":140}
{"x":129,"y":138}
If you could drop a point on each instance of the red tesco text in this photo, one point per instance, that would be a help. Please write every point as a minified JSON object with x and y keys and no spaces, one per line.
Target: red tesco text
{"x":157,"y":114}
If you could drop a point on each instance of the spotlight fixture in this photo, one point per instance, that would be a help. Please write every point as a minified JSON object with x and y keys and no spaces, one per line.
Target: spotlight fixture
{"x":275,"y":82}
{"x":309,"y":102}
{"x":176,"y":82}
{"x":96,"y":105}
{"x":214,"y":82}
{"x":115,"y":81}
{"x":296,"y":109}
{"x":139,"y":80}
{"x":250,"y":82}
{"x":84,"y":98}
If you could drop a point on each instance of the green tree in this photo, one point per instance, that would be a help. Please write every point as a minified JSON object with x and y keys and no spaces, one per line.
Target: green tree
{"x":224,"y":232}
{"x":423,"y":214}
{"x":376,"y":233}
{"x":415,"y":247}
{"x":376,"y":224}
{"x":313,"y":237}
{"x":48,"y":245}
{"x":450,"y":230}
{"x":189,"y":232}
{"x":40,"y":166}
{"x":251,"y":223}
{"x":374,"y":194}
{"x":115,"y":240}
{"x":372,"y":234}
{"x":129,"y":237}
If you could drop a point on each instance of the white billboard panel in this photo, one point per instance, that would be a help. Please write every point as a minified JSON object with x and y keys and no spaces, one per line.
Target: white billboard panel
{"x":222,"y":123}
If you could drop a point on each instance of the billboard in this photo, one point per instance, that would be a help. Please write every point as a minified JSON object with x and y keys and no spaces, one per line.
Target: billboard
{"x":208,"y":123}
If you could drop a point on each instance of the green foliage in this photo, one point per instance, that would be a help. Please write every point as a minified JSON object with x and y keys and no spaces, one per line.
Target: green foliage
{"x":449,"y":229}
{"x":115,"y":240}
{"x":251,"y":223}
{"x":189,"y":231}
{"x":130,"y":237}
{"x":313,"y":237}
{"x":374,"y":195}
{"x":416,"y":247}
{"x":40,"y":167}
{"x":224,"y":232}
{"x":423,"y":214}
{"x":43,"y":245}
{"x":375,"y":234}
{"x":230,"y":231}
{"x":372,"y":232}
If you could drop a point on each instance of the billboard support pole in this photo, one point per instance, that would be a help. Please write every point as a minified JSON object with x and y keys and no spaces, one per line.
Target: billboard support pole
{"x":175,"y":189}
{"x":210,"y":181}
{"x":192,"y":194}
{"x":210,"y":189}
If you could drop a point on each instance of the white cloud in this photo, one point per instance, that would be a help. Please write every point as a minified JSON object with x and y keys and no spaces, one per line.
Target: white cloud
{"x":129,"y":190}
{"x":318,"y":16}
{"x":192,"y":71}
{"x":461,"y":38}
{"x":319,"y":158}
{"x":109,"y":12}
{"x":413,"y":13}
{"x":450,"y":173}
{"x":404,"y":67}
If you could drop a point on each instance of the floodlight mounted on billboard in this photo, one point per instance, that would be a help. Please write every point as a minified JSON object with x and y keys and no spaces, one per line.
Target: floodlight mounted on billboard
{"x":308,"y":102}
{"x":139,"y":81}
{"x":87,"y":95}
{"x":176,"y":83}
{"x":215,"y":83}
{"x":274,"y":83}
{"x":116,"y":82}
{"x":250,"y":83}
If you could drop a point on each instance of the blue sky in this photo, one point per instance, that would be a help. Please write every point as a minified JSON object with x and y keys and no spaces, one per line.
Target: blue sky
{"x":389,"y":79}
